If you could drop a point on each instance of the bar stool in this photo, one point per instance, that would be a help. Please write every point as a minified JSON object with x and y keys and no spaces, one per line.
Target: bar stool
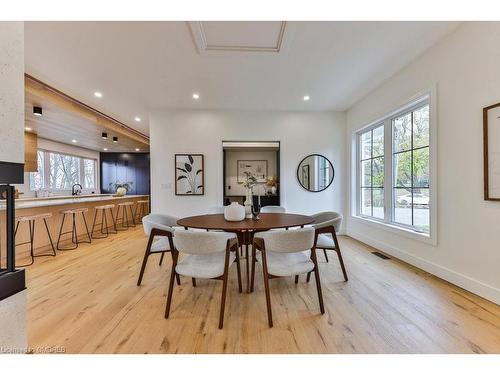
{"x":141,"y":210}
{"x":125,"y":219}
{"x":73,"y":231}
{"x":31,"y":220}
{"x":104,"y":221}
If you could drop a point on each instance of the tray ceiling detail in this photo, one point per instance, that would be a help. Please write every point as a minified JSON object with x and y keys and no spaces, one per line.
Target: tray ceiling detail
{"x":250,"y":36}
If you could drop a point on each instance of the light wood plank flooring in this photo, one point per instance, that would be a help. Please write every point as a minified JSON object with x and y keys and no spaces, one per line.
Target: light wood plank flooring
{"x":87,"y":301}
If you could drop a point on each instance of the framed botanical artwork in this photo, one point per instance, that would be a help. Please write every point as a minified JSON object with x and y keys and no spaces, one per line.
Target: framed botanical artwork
{"x":491,"y":152}
{"x":189,"y":174}
{"x":258,"y":168}
{"x":305,"y":181}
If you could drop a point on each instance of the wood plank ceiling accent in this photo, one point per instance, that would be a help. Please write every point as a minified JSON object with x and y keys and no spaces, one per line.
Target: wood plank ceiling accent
{"x":65,"y":118}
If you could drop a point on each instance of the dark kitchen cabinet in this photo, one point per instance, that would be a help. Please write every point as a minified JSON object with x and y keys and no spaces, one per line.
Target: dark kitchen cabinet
{"x":125,"y":167}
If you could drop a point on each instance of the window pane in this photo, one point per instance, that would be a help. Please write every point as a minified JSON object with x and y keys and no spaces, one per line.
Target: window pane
{"x":378,"y":172}
{"x":366,"y":176}
{"x":421,"y":127}
{"x":402,"y":206}
{"x":366,"y":145}
{"x":89,"y":173}
{"x":421,"y":210}
{"x":378,"y":203}
{"x":402,"y":169}
{"x":378,"y":141}
{"x":421,"y":167}
{"x":366,"y":202}
{"x":402,"y":133}
{"x":64,"y":171}
{"x":37,"y":178}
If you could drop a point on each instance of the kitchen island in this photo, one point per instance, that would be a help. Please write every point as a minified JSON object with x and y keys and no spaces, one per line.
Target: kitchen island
{"x":54,"y":205}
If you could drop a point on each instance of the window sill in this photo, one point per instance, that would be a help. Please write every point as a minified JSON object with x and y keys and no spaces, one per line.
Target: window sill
{"x":396,"y":229}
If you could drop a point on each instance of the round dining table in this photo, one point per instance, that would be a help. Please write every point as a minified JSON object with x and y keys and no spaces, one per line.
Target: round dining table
{"x":245,"y":229}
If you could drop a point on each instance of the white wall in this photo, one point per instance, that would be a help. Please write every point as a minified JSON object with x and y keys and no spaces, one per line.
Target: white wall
{"x":465,"y":69}
{"x":202,"y":131}
{"x":48,"y":145}
{"x":12,"y":92}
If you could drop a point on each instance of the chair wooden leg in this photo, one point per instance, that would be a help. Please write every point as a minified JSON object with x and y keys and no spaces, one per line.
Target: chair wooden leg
{"x":238,"y":269}
{"x":247,"y":264}
{"x":266,"y":287}
{"x":143,"y":267}
{"x":224,"y":287}
{"x":193,"y":281}
{"x":161,"y":258}
{"x":318,"y":282}
{"x":296,"y":279}
{"x":254,"y":260}
{"x":308,"y":276}
{"x":326,"y":255}
{"x":341,"y":261}
{"x":171,"y":286}
{"x":337,"y":249}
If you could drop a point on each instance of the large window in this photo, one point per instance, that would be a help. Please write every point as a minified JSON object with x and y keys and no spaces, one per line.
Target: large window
{"x":60,"y":172}
{"x":393,"y":165}
{"x":371,"y":146}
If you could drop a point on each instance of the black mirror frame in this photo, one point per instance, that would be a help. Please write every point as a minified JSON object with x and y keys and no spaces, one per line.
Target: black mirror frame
{"x":327,"y":186}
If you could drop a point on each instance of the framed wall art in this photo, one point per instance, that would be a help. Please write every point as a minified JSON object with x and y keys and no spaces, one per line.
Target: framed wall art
{"x":189,"y":174}
{"x":258,"y":168}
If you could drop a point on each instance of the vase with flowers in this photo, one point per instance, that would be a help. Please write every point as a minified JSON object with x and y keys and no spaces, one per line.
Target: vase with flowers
{"x":272,"y":184}
{"x":251,"y":181}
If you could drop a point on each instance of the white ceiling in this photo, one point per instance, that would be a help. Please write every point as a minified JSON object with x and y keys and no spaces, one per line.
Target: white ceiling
{"x":140,"y":66}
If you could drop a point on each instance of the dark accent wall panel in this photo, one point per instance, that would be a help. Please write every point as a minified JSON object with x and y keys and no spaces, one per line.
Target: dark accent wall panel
{"x":124,"y":167}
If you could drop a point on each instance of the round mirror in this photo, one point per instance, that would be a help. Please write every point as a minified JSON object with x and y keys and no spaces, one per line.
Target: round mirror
{"x":315,"y":173}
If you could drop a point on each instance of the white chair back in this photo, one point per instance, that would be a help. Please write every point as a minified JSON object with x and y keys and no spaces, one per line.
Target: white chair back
{"x":191,"y":242}
{"x":273,"y":210}
{"x":325,"y":219}
{"x":159,"y":221}
{"x":216,"y":210}
{"x":288,"y":241}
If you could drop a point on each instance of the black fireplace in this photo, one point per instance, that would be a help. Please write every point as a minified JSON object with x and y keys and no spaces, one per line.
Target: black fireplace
{"x":12,"y":280}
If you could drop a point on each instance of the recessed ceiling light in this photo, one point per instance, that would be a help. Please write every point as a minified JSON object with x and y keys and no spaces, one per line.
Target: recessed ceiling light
{"x":74,"y":140}
{"x":137,"y":119}
{"x":105,"y":149}
{"x":37,"y":111}
{"x":115,"y":139}
{"x":28,"y":129}
{"x":137,"y":149}
{"x":98,"y":94}
{"x":196,"y":96}
{"x":104,"y":135}
{"x":306,"y":98}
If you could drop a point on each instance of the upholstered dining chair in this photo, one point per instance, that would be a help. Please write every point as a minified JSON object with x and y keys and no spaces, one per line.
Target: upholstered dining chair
{"x":160,"y":230}
{"x":283,"y":254}
{"x":209,"y":256}
{"x":327,"y":224}
{"x":273,"y":210}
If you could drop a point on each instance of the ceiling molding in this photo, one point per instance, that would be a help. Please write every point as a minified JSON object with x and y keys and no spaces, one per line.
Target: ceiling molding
{"x":202,"y":46}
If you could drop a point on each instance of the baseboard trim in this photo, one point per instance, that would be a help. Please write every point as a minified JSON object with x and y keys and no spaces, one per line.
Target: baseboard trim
{"x":470,"y":284}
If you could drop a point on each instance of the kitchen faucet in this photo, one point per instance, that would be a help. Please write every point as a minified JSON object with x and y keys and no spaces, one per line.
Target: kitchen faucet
{"x":77,"y":191}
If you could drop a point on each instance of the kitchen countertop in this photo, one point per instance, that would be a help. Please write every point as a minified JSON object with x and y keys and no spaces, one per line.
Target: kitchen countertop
{"x":60,"y":201}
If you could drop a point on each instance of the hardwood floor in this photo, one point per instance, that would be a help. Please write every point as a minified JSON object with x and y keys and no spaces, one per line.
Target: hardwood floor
{"x":87,"y":301}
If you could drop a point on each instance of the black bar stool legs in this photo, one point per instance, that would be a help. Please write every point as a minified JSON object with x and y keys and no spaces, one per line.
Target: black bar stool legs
{"x":127,"y":217}
{"x":31,"y":220}
{"x":73,"y":231}
{"x":104,"y":221}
